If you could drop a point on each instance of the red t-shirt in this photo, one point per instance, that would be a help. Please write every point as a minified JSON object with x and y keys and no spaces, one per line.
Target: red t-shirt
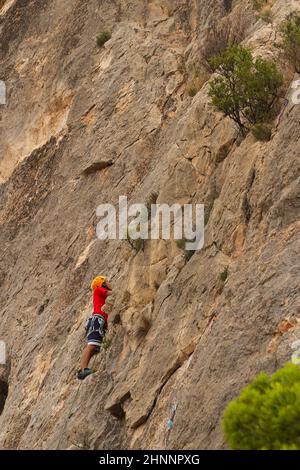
{"x":99,"y":297}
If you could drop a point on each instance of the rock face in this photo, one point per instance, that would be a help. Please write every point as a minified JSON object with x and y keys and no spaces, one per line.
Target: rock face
{"x":84,"y":125}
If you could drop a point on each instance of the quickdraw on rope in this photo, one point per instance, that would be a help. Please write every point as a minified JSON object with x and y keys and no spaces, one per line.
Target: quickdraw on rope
{"x":170,"y":424}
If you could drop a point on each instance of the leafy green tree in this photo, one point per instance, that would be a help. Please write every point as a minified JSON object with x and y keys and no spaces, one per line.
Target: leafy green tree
{"x":291,"y":40}
{"x":246,"y":88}
{"x":266,"y":415}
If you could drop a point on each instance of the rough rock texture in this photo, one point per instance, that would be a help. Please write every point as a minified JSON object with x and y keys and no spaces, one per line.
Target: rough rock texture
{"x":83,"y":125}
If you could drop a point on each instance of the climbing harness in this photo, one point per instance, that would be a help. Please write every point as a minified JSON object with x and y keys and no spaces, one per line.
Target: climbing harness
{"x":170,"y":424}
{"x":95,"y":330}
{"x":95,"y":323}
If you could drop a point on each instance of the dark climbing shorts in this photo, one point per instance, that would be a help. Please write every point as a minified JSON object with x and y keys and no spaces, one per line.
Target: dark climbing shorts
{"x":95,"y":330}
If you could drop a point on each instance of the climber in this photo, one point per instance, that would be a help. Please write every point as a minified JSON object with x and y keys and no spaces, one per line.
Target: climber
{"x":96,"y":325}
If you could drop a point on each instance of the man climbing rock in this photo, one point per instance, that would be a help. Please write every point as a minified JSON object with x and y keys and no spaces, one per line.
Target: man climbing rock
{"x":96,"y":325}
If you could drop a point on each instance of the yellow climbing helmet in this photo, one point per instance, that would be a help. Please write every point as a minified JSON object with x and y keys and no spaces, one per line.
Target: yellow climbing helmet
{"x":98,"y":281}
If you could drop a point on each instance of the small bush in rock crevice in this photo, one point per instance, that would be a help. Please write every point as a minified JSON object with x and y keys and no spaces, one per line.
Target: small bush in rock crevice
{"x":262,"y":132}
{"x":224,"y":274}
{"x":102,"y":38}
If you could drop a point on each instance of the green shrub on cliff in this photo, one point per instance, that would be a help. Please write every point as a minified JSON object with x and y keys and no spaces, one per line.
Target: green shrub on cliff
{"x":224,"y":274}
{"x":246,"y":88}
{"x":266,"y":415}
{"x":259,"y":4}
{"x":262,"y":132}
{"x":102,"y":38}
{"x":264,"y":9}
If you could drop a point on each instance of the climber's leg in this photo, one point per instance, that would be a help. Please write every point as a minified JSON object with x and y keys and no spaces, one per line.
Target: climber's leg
{"x":95,"y":333}
{"x":87,"y":354}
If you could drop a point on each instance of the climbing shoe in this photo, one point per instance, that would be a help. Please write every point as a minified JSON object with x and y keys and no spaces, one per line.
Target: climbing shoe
{"x":82,"y":374}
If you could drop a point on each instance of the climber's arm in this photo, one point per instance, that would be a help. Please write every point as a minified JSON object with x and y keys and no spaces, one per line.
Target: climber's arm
{"x":108,"y":286}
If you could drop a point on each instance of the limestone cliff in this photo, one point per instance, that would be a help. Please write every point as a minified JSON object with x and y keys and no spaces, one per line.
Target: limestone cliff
{"x":83,"y":125}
